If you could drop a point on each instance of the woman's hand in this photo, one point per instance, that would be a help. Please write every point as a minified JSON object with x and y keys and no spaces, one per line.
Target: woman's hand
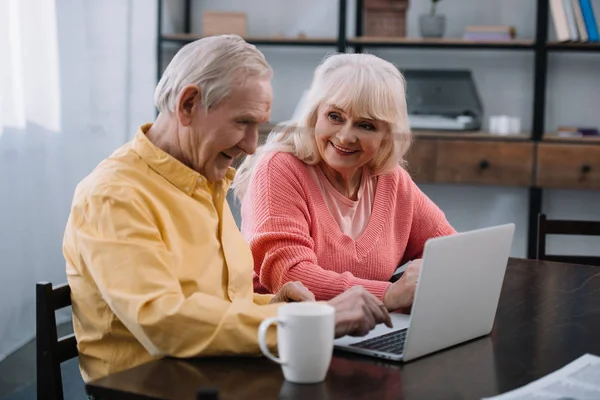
{"x":402,"y":292}
{"x":293,"y":292}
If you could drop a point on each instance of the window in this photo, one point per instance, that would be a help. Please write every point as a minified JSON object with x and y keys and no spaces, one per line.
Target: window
{"x":29,"y":71}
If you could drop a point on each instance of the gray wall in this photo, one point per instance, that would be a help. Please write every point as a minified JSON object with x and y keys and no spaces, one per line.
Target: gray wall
{"x":504,"y":79}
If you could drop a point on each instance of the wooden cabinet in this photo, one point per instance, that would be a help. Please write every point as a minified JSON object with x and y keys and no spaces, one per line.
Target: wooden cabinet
{"x":568,"y":166}
{"x":421,"y":159}
{"x":485,"y":162}
{"x":480,"y":162}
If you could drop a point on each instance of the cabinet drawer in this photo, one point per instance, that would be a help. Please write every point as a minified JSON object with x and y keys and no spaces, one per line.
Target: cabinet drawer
{"x":568,"y":166}
{"x":421,"y":160}
{"x":482,"y":162}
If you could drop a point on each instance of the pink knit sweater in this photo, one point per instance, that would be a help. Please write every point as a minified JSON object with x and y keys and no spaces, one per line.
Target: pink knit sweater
{"x":294,"y":237}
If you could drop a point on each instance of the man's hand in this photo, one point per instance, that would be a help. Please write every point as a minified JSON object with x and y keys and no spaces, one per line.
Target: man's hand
{"x":400,"y":294}
{"x":293,"y":291}
{"x":357,"y":312}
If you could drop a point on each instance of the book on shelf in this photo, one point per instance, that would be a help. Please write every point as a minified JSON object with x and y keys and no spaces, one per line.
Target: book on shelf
{"x":571,"y":24}
{"x":559,"y":17}
{"x":590,"y":19}
{"x":489,"y":33}
{"x":576,"y":131}
{"x":574,"y":20}
{"x":581,"y":29}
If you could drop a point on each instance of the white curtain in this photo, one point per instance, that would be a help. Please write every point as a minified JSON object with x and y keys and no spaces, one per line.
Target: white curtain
{"x":76,"y":77}
{"x":29,"y":87}
{"x":29,"y":121}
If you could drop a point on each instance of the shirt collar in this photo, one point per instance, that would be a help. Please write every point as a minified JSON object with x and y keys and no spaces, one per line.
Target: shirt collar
{"x":173,"y":170}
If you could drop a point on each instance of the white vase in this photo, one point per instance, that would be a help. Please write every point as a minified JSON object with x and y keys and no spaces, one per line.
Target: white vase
{"x":432,"y":26}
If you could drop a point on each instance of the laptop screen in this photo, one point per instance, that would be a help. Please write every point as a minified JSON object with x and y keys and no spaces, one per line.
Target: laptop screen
{"x":442,"y":92}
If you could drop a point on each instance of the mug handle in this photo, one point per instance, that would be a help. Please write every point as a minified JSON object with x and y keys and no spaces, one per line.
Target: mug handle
{"x":262,"y":332}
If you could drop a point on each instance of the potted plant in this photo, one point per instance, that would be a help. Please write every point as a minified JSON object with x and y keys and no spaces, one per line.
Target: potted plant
{"x":432,"y":25}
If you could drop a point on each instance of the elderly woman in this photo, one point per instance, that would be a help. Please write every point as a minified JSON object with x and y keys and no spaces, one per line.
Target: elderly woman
{"x":156,"y":264}
{"x":326,"y":201}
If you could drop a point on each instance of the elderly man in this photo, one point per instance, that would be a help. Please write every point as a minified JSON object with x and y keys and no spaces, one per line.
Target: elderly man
{"x":155,"y":261}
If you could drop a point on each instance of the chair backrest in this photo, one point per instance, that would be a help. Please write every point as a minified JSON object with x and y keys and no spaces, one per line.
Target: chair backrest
{"x":50,"y":350}
{"x":565,"y":227}
{"x":207,"y":393}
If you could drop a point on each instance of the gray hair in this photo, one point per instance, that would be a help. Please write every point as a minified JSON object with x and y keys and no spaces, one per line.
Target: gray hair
{"x":362,"y":84}
{"x":215,"y":64}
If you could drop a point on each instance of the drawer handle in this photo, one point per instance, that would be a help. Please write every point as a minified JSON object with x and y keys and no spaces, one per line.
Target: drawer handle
{"x":484,"y":164}
{"x":585,"y":169}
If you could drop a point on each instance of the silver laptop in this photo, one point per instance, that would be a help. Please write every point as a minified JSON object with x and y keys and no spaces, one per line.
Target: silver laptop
{"x":443,"y":99}
{"x":455,"y":301}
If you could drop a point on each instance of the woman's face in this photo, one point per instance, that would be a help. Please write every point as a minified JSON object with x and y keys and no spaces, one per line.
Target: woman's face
{"x":346,"y":143}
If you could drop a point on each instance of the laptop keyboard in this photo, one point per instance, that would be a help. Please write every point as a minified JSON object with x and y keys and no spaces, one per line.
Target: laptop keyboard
{"x":392,"y":342}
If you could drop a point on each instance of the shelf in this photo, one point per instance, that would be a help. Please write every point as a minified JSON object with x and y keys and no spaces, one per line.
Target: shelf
{"x":451,"y":43}
{"x":257,"y":40}
{"x":553,"y":137}
{"x":566,"y":46}
{"x":469,"y":135}
{"x":265,"y":129}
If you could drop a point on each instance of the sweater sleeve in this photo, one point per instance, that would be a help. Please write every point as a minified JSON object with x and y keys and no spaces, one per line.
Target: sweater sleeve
{"x":428,"y":221}
{"x":276,"y":223}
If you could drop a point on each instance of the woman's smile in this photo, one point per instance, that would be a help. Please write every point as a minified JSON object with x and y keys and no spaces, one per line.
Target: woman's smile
{"x":343,"y":150}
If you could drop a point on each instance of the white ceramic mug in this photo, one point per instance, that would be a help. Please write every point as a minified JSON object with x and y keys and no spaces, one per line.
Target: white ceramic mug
{"x":305,"y":333}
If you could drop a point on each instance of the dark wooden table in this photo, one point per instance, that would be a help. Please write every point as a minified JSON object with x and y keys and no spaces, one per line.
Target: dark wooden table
{"x":549,"y":315}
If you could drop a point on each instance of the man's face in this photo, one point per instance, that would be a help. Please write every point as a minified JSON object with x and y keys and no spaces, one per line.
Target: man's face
{"x":228,"y":130}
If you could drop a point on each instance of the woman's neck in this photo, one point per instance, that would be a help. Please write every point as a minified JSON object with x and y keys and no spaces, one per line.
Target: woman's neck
{"x":347,"y":183}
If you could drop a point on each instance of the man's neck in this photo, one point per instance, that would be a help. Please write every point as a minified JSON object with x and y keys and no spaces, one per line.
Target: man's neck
{"x":163,"y":134}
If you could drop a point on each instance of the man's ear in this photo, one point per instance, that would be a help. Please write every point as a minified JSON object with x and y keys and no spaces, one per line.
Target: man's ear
{"x":188,"y":104}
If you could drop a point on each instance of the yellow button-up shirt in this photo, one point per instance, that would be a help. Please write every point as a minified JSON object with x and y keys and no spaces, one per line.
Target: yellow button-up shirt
{"x":156,"y":265}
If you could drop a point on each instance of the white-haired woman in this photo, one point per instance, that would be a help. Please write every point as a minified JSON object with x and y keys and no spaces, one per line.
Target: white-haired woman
{"x":326,"y":201}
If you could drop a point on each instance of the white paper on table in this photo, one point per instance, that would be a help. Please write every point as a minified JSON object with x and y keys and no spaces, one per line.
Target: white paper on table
{"x":578,"y":380}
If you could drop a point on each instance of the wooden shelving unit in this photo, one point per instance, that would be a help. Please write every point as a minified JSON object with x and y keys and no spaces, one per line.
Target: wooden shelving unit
{"x":479,"y":135}
{"x":265,"y":129}
{"x":266,"y":40}
{"x":450,"y":43}
{"x":532,"y":160}
{"x":573,"y":46}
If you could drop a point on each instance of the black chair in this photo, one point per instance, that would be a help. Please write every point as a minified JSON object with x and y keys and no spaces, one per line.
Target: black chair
{"x":565,"y":227}
{"x":50,"y":350}
{"x":207,"y":393}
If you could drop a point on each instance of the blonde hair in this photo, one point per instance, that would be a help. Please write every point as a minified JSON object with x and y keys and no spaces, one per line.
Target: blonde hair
{"x":363,"y":85}
{"x":215,"y":64}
